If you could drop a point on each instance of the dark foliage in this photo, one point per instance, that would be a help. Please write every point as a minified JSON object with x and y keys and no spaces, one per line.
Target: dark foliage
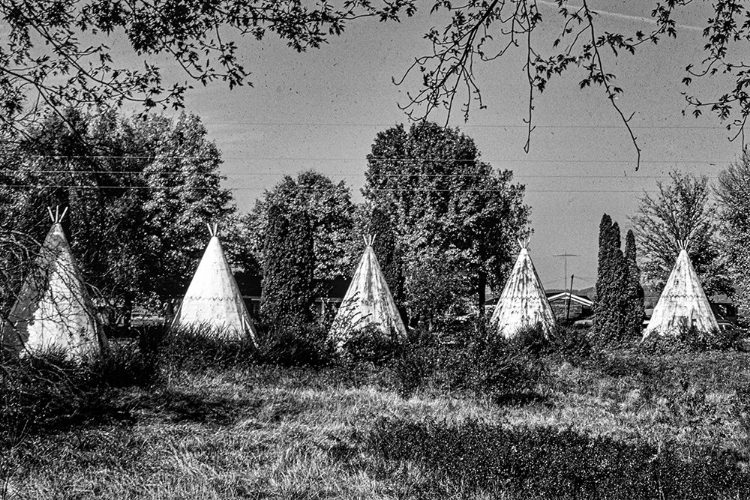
{"x":388,"y":252}
{"x":202,"y":349}
{"x":369,"y":344}
{"x":49,"y":392}
{"x":416,"y":361}
{"x":633,"y":295}
{"x":692,"y":339}
{"x":287,"y":268}
{"x":618,"y":305}
{"x":571,"y":345}
{"x":477,"y":458}
{"x":479,"y":362}
{"x":304,"y":344}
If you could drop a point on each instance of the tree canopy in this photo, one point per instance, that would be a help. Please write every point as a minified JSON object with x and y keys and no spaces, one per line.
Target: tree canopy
{"x":680,"y":214}
{"x":446,"y":204}
{"x":329,"y":209}
{"x":57,"y":52}
{"x":732,"y":191}
{"x":139,"y":193}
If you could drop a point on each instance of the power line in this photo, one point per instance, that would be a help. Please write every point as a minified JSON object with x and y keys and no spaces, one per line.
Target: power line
{"x":491,"y":126}
{"x":341,"y":174}
{"x":157,"y":156}
{"x":315,"y":190}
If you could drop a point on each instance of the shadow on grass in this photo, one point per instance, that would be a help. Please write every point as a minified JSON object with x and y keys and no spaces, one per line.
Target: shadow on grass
{"x":475,"y":458}
{"x":170,"y":405}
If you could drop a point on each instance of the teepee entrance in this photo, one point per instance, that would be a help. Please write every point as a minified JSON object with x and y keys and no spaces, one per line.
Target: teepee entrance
{"x":53,"y":311}
{"x":213,"y":302}
{"x":523,"y":303}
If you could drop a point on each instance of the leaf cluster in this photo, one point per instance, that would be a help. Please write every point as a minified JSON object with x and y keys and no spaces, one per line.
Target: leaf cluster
{"x":57,"y":54}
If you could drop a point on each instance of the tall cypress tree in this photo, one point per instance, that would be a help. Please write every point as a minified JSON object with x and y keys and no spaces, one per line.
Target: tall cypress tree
{"x":608,"y":319}
{"x":288,"y":267}
{"x":633,"y":297}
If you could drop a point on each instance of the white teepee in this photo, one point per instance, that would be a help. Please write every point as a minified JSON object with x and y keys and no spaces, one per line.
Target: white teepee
{"x":368,"y":301}
{"x":682,"y":303}
{"x":53,"y":311}
{"x":523,"y":302}
{"x":213,"y":300}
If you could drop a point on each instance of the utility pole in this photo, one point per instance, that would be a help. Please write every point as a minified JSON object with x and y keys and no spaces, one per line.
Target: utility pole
{"x":565,"y":277}
{"x":565,"y":264}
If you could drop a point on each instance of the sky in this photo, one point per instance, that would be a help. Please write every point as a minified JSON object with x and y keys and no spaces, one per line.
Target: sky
{"x":322,"y":109}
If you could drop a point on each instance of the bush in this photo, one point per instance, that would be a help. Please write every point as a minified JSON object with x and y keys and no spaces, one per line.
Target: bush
{"x":692,"y":339}
{"x":532,"y":339}
{"x":199,"y":349}
{"x":503,"y":369}
{"x":478,"y":459}
{"x":48,"y":391}
{"x":369,"y":344}
{"x":414,"y":362}
{"x":477,"y":361}
{"x":570,"y":344}
{"x":295,"y":345}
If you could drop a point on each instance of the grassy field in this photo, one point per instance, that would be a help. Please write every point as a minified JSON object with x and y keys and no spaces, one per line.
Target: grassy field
{"x":620,"y":423}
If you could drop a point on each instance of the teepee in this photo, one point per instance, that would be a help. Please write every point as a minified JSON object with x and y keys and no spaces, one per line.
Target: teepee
{"x":683,"y":303}
{"x":53,"y":311}
{"x":213,"y":300}
{"x":368,"y":301}
{"x":523,"y":302}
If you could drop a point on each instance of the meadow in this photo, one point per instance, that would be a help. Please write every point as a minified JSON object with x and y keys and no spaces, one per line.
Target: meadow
{"x":477,"y":418}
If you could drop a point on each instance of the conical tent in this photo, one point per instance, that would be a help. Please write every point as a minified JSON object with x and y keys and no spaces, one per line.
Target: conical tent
{"x":53,"y":311}
{"x":213,"y":300}
{"x":683,"y":303}
{"x":368,"y":301}
{"x":523,"y":302}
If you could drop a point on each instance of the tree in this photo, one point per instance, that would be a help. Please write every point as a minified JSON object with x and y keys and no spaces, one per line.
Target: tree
{"x":444,"y":200}
{"x":287,"y":268}
{"x":388,"y":252}
{"x":618,"y":305}
{"x":185,"y":193}
{"x":56,"y":53}
{"x":633,"y":295}
{"x":329,"y":208}
{"x":139,"y":194}
{"x":46,"y":59}
{"x":485,"y":31}
{"x":610,"y":282}
{"x":680,"y":213}
{"x":732,"y":191}
{"x":436,"y":290}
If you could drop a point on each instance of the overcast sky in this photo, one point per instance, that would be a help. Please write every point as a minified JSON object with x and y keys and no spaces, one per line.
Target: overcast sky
{"x":321,"y":110}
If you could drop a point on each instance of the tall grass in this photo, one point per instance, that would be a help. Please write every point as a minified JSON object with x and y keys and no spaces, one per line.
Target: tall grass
{"x":474,"y":458}
{"x":460,"y":415}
